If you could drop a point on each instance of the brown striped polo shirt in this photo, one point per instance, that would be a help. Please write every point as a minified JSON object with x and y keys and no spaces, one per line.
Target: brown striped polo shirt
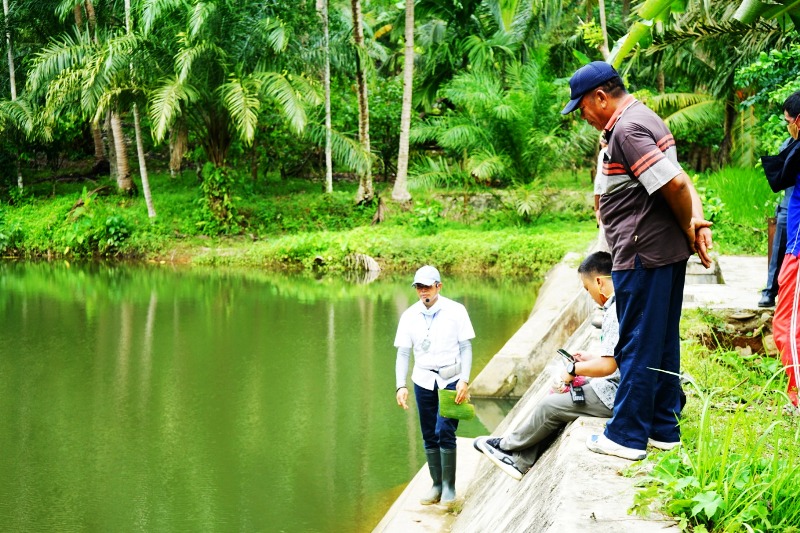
{"x":640,"y":158}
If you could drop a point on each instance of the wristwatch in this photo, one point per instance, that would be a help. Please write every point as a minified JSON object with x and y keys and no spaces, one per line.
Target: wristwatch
{"x":571,"y":369}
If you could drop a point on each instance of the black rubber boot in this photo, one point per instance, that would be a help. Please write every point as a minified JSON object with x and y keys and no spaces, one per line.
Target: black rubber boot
{"x":448,"y":476}
{"x":435,"y":467}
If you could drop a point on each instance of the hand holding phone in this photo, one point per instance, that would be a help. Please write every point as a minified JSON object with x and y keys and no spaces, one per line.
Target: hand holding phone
{"x":566,"y":355}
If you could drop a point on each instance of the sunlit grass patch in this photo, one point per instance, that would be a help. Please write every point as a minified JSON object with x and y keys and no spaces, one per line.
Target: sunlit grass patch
{"x":738,"y":201}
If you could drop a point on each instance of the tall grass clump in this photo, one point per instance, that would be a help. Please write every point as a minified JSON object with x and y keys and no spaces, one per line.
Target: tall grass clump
{"x":737,"y":469}
{"x":738,"y":201}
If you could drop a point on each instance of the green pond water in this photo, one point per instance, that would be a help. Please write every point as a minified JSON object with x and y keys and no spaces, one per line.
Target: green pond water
{"x":149,"y":398}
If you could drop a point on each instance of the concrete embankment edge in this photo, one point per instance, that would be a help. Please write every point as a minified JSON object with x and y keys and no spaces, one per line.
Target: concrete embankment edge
{"x":561,"y":306}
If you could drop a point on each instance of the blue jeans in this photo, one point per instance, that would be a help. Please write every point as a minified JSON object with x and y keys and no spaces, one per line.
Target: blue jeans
{"x":648,"y":402}
{"x":778,"y":251}
{"x":437,"y":431}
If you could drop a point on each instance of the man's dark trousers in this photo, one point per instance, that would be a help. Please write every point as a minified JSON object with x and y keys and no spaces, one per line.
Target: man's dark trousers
{"x":437,"y":431}
{"x":778,"y":251}
{"x":648,"y":402}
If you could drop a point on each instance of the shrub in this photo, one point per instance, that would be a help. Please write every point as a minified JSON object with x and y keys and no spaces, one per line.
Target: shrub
{"x":217,"y":212}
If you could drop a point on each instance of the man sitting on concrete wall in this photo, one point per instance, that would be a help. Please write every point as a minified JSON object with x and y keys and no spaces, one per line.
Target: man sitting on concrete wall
{"x":519,"y":450}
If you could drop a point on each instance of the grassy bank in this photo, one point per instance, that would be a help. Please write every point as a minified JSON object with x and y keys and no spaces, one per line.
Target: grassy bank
{"x":736,"y":470}
{"x":291,"y":224}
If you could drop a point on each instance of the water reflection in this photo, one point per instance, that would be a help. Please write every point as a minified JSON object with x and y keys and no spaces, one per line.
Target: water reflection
{"x":152,"y":398}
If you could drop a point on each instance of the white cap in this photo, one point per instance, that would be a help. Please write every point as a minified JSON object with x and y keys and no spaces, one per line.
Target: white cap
{"x":427,"y":275}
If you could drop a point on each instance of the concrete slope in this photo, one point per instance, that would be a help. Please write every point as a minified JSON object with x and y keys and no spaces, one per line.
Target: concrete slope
{"x":570,"y":489}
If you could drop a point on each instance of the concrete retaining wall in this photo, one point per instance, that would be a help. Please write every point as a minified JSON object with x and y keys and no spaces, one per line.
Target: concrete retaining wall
{"x":561,"y":306}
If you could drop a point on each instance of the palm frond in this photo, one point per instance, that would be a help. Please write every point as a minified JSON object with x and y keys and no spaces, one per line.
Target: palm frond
{"x":427,"y":131}
{"x":188,"y":54}
{"x":64,"y":9}
{"x":152,"y":11}
{"x":485,"y":165}
{"x":505,"y":112}
{"x":19,"y":113}
{"x":483,"y":53}
{"x":199,"y":15}
{"x":695,"y":116}
{"x":275,"y":33}
{"x":58,"y":55}
{"x":474,"y":90}
{"x":463,"y":136}
{"x":277,"y":86}
{"x":669,"y":101}
{"x":165,"y":105}
{"x":109,"y":68}
{"x":427,"y":173}
{"x":65,"y":88}
{"x":307,"y":89}
{"x":240,"y":97}
{"x":346,"y":151}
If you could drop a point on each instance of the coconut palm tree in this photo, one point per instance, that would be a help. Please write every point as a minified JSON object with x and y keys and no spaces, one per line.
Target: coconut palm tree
{"x":227,"y":68}
{"x":151,"y":211}
{"x":400,"y":190}
{"x":365,"y":192}
{"x":322,"y":8}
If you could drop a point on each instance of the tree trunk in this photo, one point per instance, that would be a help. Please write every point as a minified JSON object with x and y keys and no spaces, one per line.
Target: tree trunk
{"x":148,"y":198}
{"x":365,"y":192}
{"x":124,"y":182}
{"x":78,"y":16}
{"x":322,"y":7}
{"x":400,"y":190}
{"x":178,"y":144}
{"x":112,"y":152}
{"x":100,"y":159}
{"x":604,"y":47}
{"x":91,"y":16}
{"x":727,"y":139}
{"x":218,"y":139}
{"x":12,"y":75}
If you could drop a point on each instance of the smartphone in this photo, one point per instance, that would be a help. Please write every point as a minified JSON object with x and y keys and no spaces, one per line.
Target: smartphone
{"x":566,"y":355}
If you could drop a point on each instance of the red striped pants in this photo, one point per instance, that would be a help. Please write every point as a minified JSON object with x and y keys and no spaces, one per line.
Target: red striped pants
{"x":786,"y":321}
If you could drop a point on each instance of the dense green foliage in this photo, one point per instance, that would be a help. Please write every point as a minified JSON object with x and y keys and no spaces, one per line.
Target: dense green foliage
{"x":230,"y":98}
{"x":238,"y":84}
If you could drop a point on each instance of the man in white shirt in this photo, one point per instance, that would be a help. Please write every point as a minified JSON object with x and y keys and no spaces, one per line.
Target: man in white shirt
{"x":439,"y":332}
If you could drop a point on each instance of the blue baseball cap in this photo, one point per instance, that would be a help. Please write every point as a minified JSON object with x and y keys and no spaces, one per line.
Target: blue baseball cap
{"x":427,"y":275}
{"x":585,"y":79}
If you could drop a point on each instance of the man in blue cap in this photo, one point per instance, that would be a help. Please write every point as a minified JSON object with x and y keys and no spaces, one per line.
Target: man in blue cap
{"x":654,"y":221}
{"x":440,"y":332}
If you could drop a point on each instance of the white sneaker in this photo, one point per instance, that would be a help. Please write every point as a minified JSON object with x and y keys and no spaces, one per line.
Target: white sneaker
{"x":602,"y":444}
{"x":663,"y":445}
{"x":501,"y":459}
